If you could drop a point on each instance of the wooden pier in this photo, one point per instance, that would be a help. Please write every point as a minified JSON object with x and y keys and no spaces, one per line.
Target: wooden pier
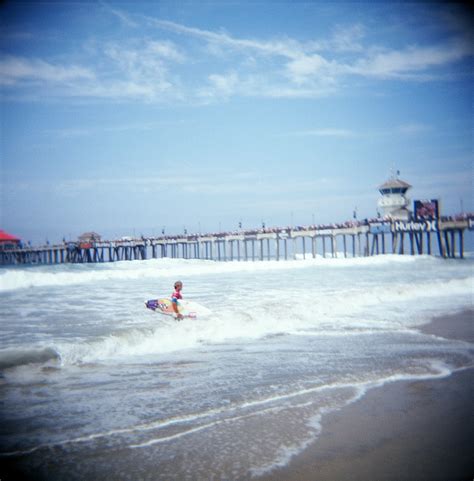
{"x":443,"y":237}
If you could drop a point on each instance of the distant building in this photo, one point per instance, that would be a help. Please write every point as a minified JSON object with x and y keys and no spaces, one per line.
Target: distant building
{"x":8,"y":241}
{"x":89,"y":237}
{"x":394,"y":203}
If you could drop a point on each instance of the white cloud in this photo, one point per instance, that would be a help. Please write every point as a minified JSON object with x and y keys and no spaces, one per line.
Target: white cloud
{"x":145,"y":91}
{"x":165,"y":49}
{"x":314,"y":73}
{"x":226,"y":182}
{"x":16,"y":69}
{"x":308,"y":67}
{"x":414,"y":128}
{"x":141,"y":72}
{"x":218,"y":65}
{"x":345,"y":38}
{"x":410,"y":61}
{"x":456,"y":182}
{"x":287,"y":47}
{"x":145,"y":62}
{"x":222,"y":84}
{"x":296,"y":91}
{"x":326,"y":132}
{"x":409,"y":128}
{"x":124,"y":17}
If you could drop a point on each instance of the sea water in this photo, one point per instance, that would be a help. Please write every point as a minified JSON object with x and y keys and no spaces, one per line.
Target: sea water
{"x":94,"y":386}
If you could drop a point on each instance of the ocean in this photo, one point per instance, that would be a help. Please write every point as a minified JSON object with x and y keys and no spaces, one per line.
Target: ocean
{"x":94,"y":386}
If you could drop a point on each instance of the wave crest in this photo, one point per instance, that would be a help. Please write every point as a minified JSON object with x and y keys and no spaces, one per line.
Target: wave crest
{"x":18,"y":357}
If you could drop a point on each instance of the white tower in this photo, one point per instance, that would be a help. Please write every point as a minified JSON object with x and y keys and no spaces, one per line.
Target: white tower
{"x":393,"y":202}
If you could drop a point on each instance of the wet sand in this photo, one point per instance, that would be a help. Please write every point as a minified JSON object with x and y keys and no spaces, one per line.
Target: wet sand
{"x":413,"y":430}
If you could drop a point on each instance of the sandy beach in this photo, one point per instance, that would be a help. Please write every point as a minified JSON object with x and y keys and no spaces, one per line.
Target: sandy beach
{"x":418,"y":430}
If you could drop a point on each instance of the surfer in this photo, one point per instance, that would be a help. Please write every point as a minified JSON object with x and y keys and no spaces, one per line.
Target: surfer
{"x":175,"y":297}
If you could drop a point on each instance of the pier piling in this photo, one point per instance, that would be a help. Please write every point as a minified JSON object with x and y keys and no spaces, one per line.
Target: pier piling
{"x":367,"y":238}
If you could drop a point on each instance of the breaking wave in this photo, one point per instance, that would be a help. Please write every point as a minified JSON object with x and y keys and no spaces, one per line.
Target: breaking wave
{"x":70,"y":274}
{"x":19,"y":357}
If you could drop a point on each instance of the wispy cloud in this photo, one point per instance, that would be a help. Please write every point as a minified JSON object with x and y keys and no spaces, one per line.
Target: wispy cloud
{"x":226,"y":182}
{"x":14,"y":70}
{"x":326,"y":132}
{"x":67,"y":133}
{"x":121,"y":15}
{"x":414,"y":62}
{"x":221,"y":85}
{"x":414,"y":128}
{"x":286,"y":47}
{"x":456,"y":183}
{"x":146,"y":59}
{"x":409,"y":128}
{"x":194,"y":64}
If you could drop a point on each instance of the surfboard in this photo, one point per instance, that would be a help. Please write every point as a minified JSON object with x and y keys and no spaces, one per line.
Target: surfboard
{"x":165,"y":306}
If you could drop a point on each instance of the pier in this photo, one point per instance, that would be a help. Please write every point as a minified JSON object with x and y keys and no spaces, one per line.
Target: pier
{"x":444,"y":237}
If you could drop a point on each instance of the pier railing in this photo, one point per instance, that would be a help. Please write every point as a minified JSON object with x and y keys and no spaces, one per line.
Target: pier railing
{"x":443,"y":237}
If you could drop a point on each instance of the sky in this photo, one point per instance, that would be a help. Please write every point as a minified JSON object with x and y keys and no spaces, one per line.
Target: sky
{"x":133,"y":118}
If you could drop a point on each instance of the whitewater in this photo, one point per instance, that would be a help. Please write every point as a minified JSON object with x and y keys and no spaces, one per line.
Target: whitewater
{"x":95,"y":386}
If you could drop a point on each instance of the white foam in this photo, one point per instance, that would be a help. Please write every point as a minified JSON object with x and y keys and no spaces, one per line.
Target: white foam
{"x":316,"y":311}
{"x":430,"y":369}
{"x":436,"y":370}
{"x":71,"y":274}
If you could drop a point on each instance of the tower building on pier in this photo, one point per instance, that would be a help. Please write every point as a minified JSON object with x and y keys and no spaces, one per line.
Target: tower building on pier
{"x":394,"y":203}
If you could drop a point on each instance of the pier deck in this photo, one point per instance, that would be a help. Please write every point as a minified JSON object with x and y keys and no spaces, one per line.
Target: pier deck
{"x":443,"y":237}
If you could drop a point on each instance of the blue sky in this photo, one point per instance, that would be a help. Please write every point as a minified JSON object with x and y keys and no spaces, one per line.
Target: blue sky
{"x":127,"y":117}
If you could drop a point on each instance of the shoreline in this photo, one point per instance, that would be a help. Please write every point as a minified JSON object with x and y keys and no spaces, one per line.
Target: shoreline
{"x":401,"y":431}
{"x":458,"y":326}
